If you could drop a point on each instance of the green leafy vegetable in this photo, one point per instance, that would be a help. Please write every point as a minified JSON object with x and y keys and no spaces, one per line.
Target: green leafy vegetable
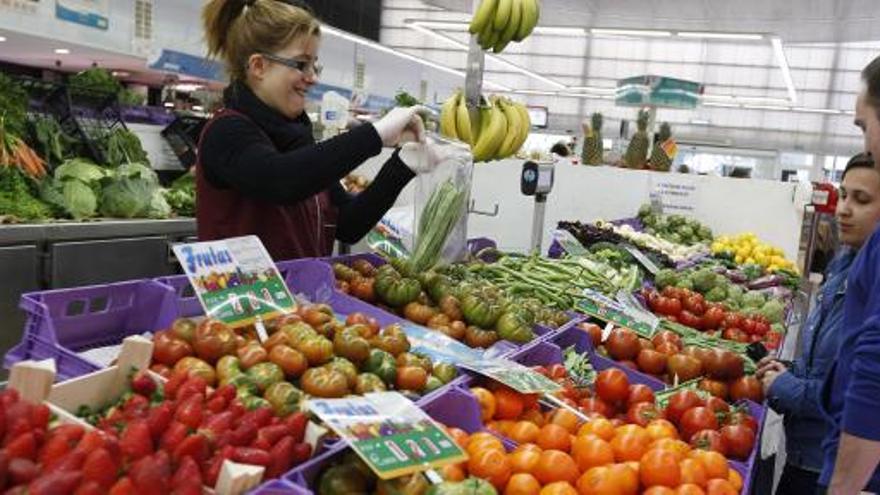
{"x":80,"y":169}
{"x":79,"y":199}
{"x":13,"y":105}
{"x":16,"y":199}
{"x":126,"y":197}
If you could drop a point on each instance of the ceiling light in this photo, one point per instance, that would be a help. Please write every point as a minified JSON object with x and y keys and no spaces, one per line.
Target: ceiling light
{"x":721,"y":105}
{"x":632,"y":32}
{"x":187,"y":87}
{"x":719,"y":36}
{"x":120,"y":73}
{"x":760,"y":100}
{"x":594,"y":89}
{"x":169,"y":104}
{"x":779,"y":53}
{"x":829,"y":111}
{"x":2,"y":39}
{"x":560,"y":31}
{"x":700,"y":122}
{"x":778,"y":108}
{"x":62,"y":51}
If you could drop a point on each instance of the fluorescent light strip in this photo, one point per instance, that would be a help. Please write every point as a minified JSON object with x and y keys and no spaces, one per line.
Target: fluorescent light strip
{"x":2,"y":39}
{"x":560,"y":31}
{"x":719,"y":36}
{"x":700,"y":122}
{"x":779,"y":53}
{"x":418,"y":26}
{"x":632,"y":32}
{"x":594,"y":89}
{"x":777,"y":108}
{"x":722,"y":105}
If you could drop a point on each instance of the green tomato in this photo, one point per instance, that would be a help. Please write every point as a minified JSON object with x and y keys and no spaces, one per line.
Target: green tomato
{"x":432,"y":384}
{"x":265,"y":374}
{"x":369,"y":382}
{"x":345,"y":479}
{"x":284,"y":398}
{"x":445,"y":372}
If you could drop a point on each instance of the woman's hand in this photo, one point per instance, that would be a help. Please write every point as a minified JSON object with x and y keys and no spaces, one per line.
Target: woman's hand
{"x":768,"y":371}
{"x":401,"y":124}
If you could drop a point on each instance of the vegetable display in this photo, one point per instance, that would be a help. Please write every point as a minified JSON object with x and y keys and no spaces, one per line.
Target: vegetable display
{"x":747,"y":249}
{"x":589,"y":235}
{"x":674,"y":228}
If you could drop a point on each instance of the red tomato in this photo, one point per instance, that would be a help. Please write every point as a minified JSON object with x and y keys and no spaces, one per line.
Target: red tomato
{"x":732,"y":320}
{"x":761,"y":328}
{"x":689,"y":319}
{"x":717,"y":388}
{"x":735,"y":334}
{"x":742,"y":418}
{"x":717,"y":404}
{"x":747,"y":387}
{"x":740,"y":440}
{"x":629,"y":364}
{"x":594,"y":331}
{"x":709,"y":440}
{"x":639,"y":393}
{"x":643,"y":413}
{"x":696,"y":419}
{"x":596,"y":405}
{"x":669,"y":306}
{"x":623,"y":344}
{"x":666,"y":336}
{"x":612,"y":385}
{"x":652,"y":361}
{"x":680,"y":402}
{"x":695,"y":304}
{"x":713,"y":318}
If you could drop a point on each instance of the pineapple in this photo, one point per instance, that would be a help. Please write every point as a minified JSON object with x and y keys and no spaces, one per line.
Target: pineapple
{"x":659,"y":159}
{"x":637,"y":151}
{"x":592,"y":154}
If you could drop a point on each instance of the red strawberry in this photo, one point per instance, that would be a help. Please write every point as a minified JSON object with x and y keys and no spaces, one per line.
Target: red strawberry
{"x":271,"y":434}
{"x":259,"y":416}
{"x":72,"y":461}
{"x":136,"y":407}
{"x":190,"y":412}
{"x":92,"y":440}
{"x":237,"y":408}
{"x":249,"y":455}
{"x":40,"y":416}
{"x":123,"y":486}
{"x":55,"y":483}
{"x":218,"y":423}
{"x":23,"y":446}
{"x":175,"y":434}
{"x":100,"y":467}
{"x":211,"y":470}
{"x":4,"y":468}
{"x":301,"y":453}
{"x":296,"y":424}
{"x":159,"y":418}
{"x":193,"y":385}
{"x":187,"y":474}
{"x":73,"y":433}
{"x":141,"y":383}
{"x":227,"y":391}
{"x":243,"y":435}
{"x":195,"y":446}
{"x":9,"y":396}
{"x":90,"y":488}
{"x":136,"y":441}
{"x":151,"y":475}
{"x":173,"y":385}
{"x":281,"y":455}
{"x":22,"y":471}
{"x":16,"y":428}
{"x":53,"y":450}
{"x":19,"y":490}
{"x":19,"y":412}
{"x":216,"y":404}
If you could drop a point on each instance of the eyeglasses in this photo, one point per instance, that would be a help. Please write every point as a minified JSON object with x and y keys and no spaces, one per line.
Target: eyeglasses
{"x":304,"y":66}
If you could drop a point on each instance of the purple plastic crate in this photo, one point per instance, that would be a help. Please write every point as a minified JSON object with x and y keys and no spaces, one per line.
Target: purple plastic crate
{"x":274,"y":487}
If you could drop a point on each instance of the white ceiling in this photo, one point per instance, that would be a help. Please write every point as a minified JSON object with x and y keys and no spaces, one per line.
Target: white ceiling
{"x":793,"y":20}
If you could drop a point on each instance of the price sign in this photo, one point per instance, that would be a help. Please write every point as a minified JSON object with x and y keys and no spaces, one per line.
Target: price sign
{"x":516,"y":376}
{"x":608,"y":310}
{"x":569,"y":243}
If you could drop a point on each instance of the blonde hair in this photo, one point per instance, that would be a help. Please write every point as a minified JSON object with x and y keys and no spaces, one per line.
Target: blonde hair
{"x":237,"y":29}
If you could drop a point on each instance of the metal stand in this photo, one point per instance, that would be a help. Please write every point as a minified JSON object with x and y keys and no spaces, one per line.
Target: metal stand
{"x":538,"y":222}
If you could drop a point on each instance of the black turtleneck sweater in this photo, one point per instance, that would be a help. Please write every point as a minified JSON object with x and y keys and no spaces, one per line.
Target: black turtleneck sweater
{"x":255,"y":162}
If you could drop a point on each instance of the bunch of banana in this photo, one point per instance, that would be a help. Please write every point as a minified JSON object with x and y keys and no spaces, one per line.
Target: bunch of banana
{"x":498,"y":22}
{"x":500,"y":131}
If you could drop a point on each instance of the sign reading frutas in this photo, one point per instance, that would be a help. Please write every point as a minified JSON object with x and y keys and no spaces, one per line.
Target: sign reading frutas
{"x":235,"y":280}
{"x":388,"y":431}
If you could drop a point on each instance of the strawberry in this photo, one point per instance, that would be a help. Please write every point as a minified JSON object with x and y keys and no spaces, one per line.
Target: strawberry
{"x":142,"y":384}
{"x":269,"y":435}
{"x":100,"y":467}
{"x":4,"y":468}
{"x":22,"y":471}
{"x":187,"y":474}
{"x":18,"y":490}
{"x":193,"y":385}
{"x":175,"y":434}
{"x":173,"y":384}
{"x":218,"y":424}
{"x":136,"y":441}
{"x":40,"y":416}
{"x":243,"y":435}
{"x":159,"y":418}
{"x":9,"y":396}
{"x":281,"y":455}
{"x":72,"y":461}
{"x":89,"y":488}
{"x":195,"y":446}
{"x":216,"y":404}
{"x":55,"y":483}
{"x":296,"y":424}
{"x":237,"y":408}
{"x":123,"y":486}
{"x":73,"y":433}
{"x":53,"y":450}
{"x":227,"y":391}
{"x":151,"y":475}
{"x":20,"y":412}
{"x":23,"y":446}
{"x":211,"y":469}
{"x":136,"y":407}
{"x":92,"y":440}
{"x":249,"y":455}
{"x":187,"y":490}
{"x":190,"y":412}
{"x":259,"y":416}
{"x":301,"y":453}
{"x":15,"y":428}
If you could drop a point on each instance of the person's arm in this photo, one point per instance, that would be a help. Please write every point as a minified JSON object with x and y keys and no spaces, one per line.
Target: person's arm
{"x":236,"y":154}
{"x":789,"y":394}
{"x":856,"y":461}
{"x":360,"y":213}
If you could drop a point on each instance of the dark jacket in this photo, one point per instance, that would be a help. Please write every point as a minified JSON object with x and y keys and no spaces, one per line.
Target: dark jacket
{"x":796,"y":393}
{"x":263,"y":174}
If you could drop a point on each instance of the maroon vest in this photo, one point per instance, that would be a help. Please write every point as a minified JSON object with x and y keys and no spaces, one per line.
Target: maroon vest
{"x":301,"y":230}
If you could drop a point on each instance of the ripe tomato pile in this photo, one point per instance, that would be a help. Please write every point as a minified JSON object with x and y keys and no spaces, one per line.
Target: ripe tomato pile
{"x":689,"y":308}
{"x":558,"y":454}
{"x":666,"y":358}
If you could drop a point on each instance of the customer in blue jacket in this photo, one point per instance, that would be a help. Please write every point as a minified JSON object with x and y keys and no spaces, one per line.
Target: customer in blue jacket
{"x":851,"y":391}
{"x":794,"y":391}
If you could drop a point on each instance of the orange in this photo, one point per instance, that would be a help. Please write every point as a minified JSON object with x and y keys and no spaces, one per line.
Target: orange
{"x":533,"y":416}
{"x":565,"y":419}
{"x":659,"y":467}
{"x":680,"y":448}
{"x":715,"y":464}
{"x":629,"y":446}
{"x":624,"y":429}
{"x":554,"y":437}
{"x":522,"y":484}
{"x":559,"y":488}
{"x":659,"y":490}
{"x":460,"y":436}
{"x":555,"y":465}
{"x":735,"y":479}
{"x":627,"y":477}
{"x":591,"y":451}
{"x":689,"y":489}
{"x":483,"y":441}
{"x":524,"y":461}
{"x":508,"y":404}
{"x":492,"y":466}
{"x":720,"y":487}
{"x":661,"y":428}
{"x":504,"y":426}
{"x":487,"y":402}
{"x":452,"y":472}
{"x":601,"y":427}
{"x":524,"y":432}
{"x":599,"y":481}
{"x":692,"y":471}
{"x":528,"y":446}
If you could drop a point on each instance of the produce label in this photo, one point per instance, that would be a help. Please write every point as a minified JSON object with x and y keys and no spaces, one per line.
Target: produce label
{"x":569,"y":243}
{"x":608,"y":310}
{"x":438,"y":346}
{"x":388,"y":431}
{"x":516,"y":376}
{"x":235,"y":280}
{"x":641,"y":258}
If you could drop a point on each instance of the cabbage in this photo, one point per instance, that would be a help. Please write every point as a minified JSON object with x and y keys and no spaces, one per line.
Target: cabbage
{"x":773,"y":310}
{"x":137,"y":171}
{"x":666,"y":277}
{"x":705,"y":280}
{"x":159,"y":207}
{"x":127,"y":197}
{"x":717,"y":294}
{"x":80,"y":169}
{"x":79,"y":199}
{"x":753,"y":299}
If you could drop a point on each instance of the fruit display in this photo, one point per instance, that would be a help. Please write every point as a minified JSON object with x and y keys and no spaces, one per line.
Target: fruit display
{"x":747,"y":249}
{"x":593,"y":147}
{"x":691,"y":309}
{"x":307,"y":353}
{"x":661,"y":160}
{"x":474,"y":312}
{"x":176,"y":436}
{"x":498,"y":22}
{"x":637,"y":151}
{"x":500,"y":130}
{"x":674,"y":228}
